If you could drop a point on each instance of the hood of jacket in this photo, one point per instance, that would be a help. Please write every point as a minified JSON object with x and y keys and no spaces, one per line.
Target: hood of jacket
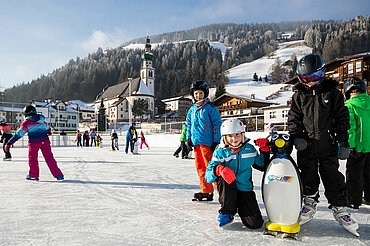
{"x":361,"y":101}
{"x":36,"y":118}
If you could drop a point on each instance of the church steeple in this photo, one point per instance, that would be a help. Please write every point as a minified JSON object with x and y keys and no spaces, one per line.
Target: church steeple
{"x":147,"y":71}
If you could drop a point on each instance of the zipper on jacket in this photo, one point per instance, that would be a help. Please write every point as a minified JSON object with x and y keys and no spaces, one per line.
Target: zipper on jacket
{"x":360,"y":130}
{"x":237,"y":166}
{"x":313,"y":113}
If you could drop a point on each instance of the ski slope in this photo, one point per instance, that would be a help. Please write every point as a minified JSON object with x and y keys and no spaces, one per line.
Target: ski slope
{"x":109,"y":198}
{"x":241,"y":77}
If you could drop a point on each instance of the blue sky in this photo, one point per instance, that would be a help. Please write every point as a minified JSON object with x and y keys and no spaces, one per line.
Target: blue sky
{"x":38,"y":36}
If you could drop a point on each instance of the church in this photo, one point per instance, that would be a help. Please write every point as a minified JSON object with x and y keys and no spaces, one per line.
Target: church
{"x":118,"y":99}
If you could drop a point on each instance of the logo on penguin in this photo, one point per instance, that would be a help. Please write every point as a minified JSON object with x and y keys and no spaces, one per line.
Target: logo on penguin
{"x":276,"y":178}
{"x":280,"y":144}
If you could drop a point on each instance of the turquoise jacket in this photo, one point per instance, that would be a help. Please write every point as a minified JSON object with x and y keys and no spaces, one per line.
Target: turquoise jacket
{"x":241,"y":163}
{"x":204,"y":124}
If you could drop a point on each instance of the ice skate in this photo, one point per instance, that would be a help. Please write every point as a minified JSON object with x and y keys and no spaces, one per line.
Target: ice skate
{"x":33,"y":179}
{"x":270,"y":232}
{"x":290,"y":235}
{"x":364,"y":202}
{"x":200,"y":196}
{"x":344,"y":219}
{"x":308,"y":210}
{"x":60,"y":177}
{"x":7,"y":159}
{"x":225,"y":220}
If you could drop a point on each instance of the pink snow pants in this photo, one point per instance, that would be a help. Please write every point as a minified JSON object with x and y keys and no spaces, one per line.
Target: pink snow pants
{"x":143,"y":142}
{"x":49,"y":159}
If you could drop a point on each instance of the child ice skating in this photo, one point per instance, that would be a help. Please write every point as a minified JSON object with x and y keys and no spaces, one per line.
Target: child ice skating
{"x":99,"y":141}
{"x":318,"y":123}
{"x":114,"y":138}
{"x":231,"y":167}
{"x":203,"y":132}
{"x":183,"y":148}
{"x":358,"y":163}
{"x":143,"y":141}
{"x":6,"y":135}
{"x":38,"y":138}
{"x":79,"y":138}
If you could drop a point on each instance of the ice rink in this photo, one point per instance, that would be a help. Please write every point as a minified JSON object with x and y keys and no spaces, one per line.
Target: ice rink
{"x":110,"y":198}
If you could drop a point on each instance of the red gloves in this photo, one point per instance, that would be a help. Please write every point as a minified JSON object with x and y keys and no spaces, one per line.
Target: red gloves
{"x":226,"y":173}
{"x":7,"y":147}
{"x":263,"y":143}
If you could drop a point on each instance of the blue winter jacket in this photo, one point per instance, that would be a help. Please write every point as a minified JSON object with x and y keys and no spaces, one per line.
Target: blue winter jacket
{"x":131,"y":132}
{"x":204,"y":124}
{"x":241,"y":163}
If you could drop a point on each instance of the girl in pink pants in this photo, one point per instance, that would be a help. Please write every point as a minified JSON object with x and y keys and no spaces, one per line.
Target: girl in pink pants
{"x":38,"y":131}
{"x":143,"y":140}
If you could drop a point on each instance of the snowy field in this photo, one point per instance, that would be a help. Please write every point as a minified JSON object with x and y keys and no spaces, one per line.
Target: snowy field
{"x":115,"y":199}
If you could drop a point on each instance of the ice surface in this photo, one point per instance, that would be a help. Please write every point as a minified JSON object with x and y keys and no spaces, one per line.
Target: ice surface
{"x":115,"y":199}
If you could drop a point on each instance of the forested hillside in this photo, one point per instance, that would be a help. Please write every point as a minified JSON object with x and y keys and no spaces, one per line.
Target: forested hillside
{"x":180,"y":63}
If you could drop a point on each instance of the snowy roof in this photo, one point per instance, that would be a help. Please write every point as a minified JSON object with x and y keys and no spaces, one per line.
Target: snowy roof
{"x":51,"y":105}
{"x":175,"y":99}
{"x":10,"y":109}
{"x":143,"y":89}
{"x":247,"y":98}
{"x":83,"y":106}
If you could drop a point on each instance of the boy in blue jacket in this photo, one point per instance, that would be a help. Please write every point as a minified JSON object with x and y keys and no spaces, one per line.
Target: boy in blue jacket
{"x":203,"y":132}
{"x":231,"y":167}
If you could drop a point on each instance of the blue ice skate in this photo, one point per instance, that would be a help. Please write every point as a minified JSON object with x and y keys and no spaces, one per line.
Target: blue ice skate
{"x":60,"y":177}
{"x":29,"y":178}
{"x":225,"y":219}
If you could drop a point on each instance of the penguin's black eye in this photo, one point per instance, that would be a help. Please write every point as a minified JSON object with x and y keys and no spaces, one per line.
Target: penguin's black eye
{"x":286,"y":137}
{"x":274,"y":137}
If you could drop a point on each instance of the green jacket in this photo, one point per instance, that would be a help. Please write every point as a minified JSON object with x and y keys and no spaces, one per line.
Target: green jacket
{"x":183,"y":134}
{"x":359,"y":112}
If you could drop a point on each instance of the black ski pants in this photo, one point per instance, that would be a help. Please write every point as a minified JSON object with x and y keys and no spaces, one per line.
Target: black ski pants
{"x":183,"y":148}
{"x":235,"y":201}
{"x":357,"y":176}
{"x":320,"y":159}
{"x":5,"y":139}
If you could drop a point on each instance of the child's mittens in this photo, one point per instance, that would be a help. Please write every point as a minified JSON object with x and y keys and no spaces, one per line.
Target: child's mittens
{"x":226,"y":173}
{"x":263,"y":143}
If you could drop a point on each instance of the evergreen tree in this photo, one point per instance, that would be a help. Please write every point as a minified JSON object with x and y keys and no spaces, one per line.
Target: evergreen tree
{"x":139,"y":108}
{"x":102,"y":117}
{"x":220,"y":89}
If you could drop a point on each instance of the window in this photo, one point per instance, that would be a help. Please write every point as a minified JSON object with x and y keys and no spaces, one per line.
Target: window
{"x":350,"y":68}
{"x":121,"y":115}
{"x":68,"y":117}
{"x":284,"y":113}
{"x":73,"y":117}
{"x":272,"y":115}
{"x":52,"y":116}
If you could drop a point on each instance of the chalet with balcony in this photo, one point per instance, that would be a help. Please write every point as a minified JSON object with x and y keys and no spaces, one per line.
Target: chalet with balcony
{"x":345,"y":67}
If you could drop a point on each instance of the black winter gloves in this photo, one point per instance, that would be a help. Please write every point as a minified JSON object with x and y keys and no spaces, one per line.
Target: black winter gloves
{"x":189,"y":143}
{"x":300,"y":144}
{"x":344,"y":151}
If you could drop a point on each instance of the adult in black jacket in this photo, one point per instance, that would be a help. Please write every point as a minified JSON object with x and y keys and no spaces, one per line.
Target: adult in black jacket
{"x":318,"y":123}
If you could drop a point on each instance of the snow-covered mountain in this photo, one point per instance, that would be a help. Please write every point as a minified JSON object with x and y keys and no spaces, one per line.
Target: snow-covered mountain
{"x":241,"y":77}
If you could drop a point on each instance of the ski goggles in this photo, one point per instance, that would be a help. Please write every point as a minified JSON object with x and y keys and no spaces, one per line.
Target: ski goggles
{"x":312,"y":77}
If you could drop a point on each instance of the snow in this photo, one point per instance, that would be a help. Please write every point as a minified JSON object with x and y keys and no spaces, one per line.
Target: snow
{"x":115,"y":199}
{"x":241,"y":77}
{"x":143,"y":89}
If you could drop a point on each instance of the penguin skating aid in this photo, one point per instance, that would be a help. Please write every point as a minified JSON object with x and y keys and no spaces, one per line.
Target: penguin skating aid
{"x":282,"y":190}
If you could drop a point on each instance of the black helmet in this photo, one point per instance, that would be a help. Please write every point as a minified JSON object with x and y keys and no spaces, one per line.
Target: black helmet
{"x":199,"y":85}
{"x":311,"y":68}
{"x":352,"y":84}
{"x":29,"y":110}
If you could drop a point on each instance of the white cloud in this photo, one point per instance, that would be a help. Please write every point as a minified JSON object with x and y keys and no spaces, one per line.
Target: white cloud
{"x":103,"y":40}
